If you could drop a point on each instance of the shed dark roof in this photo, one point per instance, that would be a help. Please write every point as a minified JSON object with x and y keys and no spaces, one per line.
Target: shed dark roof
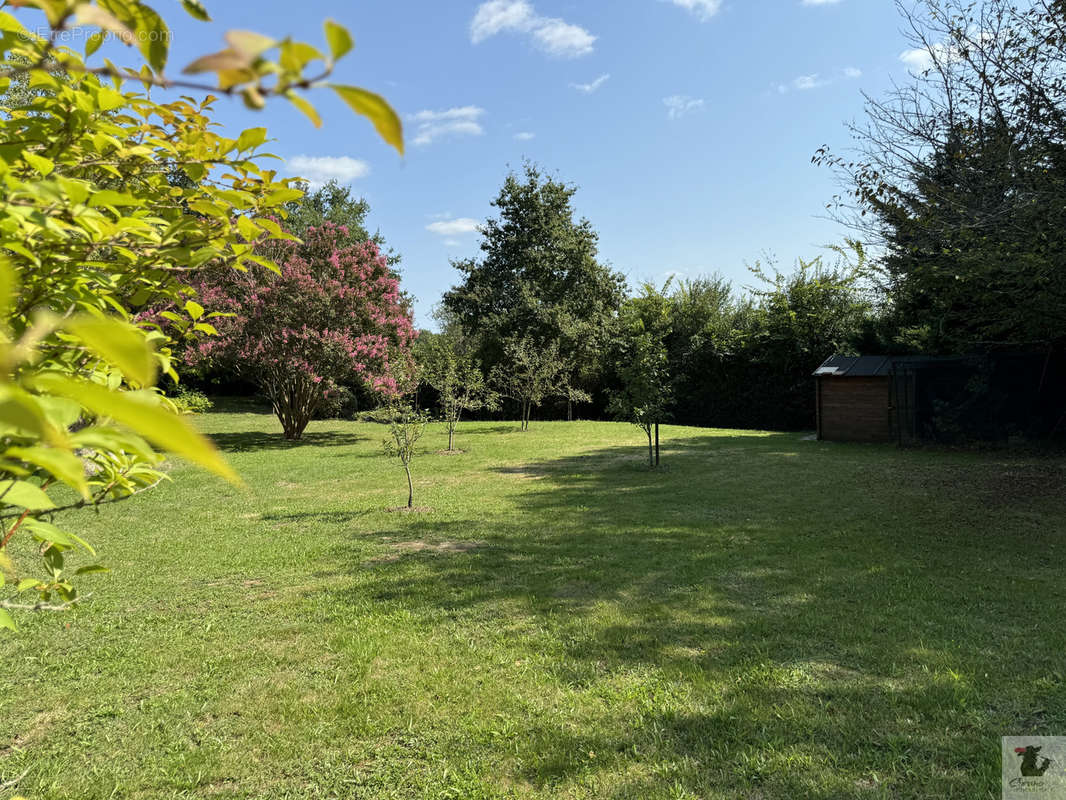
{"x":854,"y":367}
{"x":882,"y":366}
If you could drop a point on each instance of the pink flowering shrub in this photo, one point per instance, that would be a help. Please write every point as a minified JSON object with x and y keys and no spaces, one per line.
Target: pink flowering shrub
{"x":333,"y":316}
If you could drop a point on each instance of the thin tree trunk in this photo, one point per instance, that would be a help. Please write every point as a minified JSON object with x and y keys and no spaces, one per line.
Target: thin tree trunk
{"x":651,"y":453}
{"x":656,"y":444}
{"x":410,"y":487}
{"x":451,"y":438}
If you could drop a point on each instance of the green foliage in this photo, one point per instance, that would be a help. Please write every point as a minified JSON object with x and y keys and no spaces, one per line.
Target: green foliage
{"x":640,"y":351}
{"x":384,"y":415}
{"x":531,"y":372}
{"x":329,"y":203}
{"x":811,"y":313}
{"x":406,"y":427}
{"x":109,"y":197}
{"x":252,"y":66}
{"x":746,"y":360}
{"x":191,"y":401}
{"x":334,"y":204}
{"x":539,"y":282}
{"x":445,"y":364}
{"x":960,"y":178}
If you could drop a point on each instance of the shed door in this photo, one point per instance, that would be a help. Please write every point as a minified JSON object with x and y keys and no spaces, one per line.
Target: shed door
{"x":855,"y":409}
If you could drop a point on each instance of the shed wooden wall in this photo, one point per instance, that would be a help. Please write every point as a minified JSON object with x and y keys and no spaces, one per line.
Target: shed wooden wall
{"x":854,"y":409}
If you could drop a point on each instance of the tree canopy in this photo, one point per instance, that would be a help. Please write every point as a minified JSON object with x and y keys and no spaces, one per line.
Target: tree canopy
{"x":960,"y":177}
{"x":539,"y":279}
{"x":334,"y":314}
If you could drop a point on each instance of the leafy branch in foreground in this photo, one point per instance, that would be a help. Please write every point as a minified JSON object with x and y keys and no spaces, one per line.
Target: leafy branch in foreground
{"x":253,"y":66}
{"x":109,"y":200}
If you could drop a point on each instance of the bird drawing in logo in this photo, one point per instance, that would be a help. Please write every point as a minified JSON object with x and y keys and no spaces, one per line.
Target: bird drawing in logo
{"x":1029,"y":768}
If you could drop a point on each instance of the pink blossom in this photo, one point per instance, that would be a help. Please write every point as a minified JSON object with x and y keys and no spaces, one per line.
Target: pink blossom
{"x":335,"y":315}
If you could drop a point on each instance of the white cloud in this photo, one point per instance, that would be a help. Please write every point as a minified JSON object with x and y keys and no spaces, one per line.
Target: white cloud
{"x":807,"y":82}
{"x":320,"y":170}
{"x":679,"y":105}
{"x":497,"y":16}
{"x":525,"y":136}
{"x":453,"y":227}
{"x":554,"y":36}
{"x":563,"y":40}
{"x":432,"y":125}
{"x":704,"y":9}
{"x":917,"y":60}
{"x":921,"y":59}
{"x":589,"y":88}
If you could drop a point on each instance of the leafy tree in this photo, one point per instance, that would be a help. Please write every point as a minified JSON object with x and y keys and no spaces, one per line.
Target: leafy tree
{"x":573,"y":396}
{"x":333,"y":315}
{"x":92,"y":226}
{"x":18,"y":93}
{"x":960,"y":176}
{"x":805,"y":316}
{"x":334,"y":204}
{"x":539,"y":283}
{"x":331,"y":203}
{"x":796,"y":321}
{"x":406,"y":428}
{"x":449,"y":368}
{"x":746,"y":360}
{"x":709,"y":324}
{"x":530,"y":373}
{"x":645,"y":395}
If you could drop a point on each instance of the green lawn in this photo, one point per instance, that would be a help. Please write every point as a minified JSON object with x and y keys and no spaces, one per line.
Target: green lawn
{"x":764,"y":617}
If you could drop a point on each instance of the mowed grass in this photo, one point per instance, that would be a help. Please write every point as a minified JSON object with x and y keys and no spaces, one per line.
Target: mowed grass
{"x":763,"y":617}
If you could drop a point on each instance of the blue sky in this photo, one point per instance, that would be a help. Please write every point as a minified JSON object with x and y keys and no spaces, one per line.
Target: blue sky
{"x":688,"y":125}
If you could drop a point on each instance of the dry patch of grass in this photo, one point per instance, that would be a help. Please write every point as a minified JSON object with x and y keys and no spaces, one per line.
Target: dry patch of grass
{"x":401,"y":549}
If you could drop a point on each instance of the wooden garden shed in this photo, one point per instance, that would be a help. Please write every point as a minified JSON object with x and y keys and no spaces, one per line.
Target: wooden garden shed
{"x":977,"y":397}
{"x":854,"y":399}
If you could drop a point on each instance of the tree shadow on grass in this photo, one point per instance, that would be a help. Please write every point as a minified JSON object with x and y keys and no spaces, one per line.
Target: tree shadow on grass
{"x":766,"y":617}
{"x":247,"y":441}
{"x":333,"y":517}
{"x":474,"y":427}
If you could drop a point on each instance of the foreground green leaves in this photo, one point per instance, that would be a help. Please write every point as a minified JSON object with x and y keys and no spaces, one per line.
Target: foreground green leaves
{"x":253,"y":66}
{"x":108,"y":199}
{"x":377,"y":110}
